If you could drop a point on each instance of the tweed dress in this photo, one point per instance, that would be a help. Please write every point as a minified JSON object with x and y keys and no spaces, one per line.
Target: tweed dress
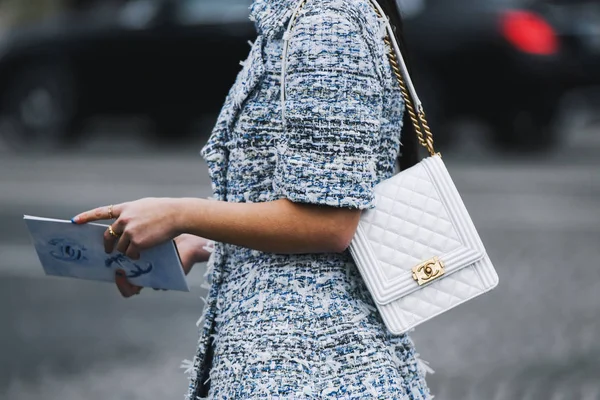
{"x":303,"y":326}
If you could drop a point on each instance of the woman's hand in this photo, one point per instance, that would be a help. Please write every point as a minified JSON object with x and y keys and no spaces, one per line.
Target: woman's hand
{"x":139,"y":224}
{"x":191,"y":250}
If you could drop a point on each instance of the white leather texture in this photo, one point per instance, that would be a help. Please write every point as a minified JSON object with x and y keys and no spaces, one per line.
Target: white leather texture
{"x":419,"y":214}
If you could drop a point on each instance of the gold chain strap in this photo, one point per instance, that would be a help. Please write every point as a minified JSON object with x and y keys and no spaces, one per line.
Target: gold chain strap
{"x":416,"y":116}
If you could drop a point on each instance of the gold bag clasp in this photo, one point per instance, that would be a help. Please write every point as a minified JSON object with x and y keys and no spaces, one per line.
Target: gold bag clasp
{"x":428,"y":271}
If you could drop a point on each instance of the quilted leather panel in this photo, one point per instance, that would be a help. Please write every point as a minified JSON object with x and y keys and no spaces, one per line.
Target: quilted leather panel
{"x":409,"y":223}
{"x":440,"y":296}
{"x":418,"y":215}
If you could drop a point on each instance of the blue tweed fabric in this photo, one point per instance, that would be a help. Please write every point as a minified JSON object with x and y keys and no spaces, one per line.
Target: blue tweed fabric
{"x":303,"y":326}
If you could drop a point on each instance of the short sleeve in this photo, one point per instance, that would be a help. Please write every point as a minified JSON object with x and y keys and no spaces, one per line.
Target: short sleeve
{"x":333,"y":107}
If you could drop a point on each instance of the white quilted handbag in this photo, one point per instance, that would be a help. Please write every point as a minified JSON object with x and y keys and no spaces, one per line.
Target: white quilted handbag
{"x":417,"y":250}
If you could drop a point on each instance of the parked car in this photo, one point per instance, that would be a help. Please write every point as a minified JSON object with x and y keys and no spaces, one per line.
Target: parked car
{"x":503,"y":61}
{"x":171,"y":60}
{"x":578,"y":26}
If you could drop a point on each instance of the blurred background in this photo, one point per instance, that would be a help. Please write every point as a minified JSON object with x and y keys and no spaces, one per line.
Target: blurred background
{"x":111,"y":100}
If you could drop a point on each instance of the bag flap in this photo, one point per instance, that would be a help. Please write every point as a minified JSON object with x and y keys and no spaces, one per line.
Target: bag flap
{"x":418,"y":215}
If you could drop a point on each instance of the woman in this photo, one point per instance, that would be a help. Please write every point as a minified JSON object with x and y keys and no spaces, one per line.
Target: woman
{"x":288,"y":315}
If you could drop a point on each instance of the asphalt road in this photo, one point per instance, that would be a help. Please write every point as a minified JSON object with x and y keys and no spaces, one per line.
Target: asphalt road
{"x":534,"y":337}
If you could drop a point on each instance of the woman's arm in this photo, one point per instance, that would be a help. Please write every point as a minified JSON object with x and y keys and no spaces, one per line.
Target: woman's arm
{"x":279,"y":226}
{"x":326,"y":158}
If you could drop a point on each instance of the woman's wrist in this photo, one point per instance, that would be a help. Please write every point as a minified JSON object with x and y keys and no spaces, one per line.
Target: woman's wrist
{"x":183,"y":209}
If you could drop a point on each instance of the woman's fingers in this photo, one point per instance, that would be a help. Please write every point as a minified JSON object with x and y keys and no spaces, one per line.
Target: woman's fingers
{"x":123,"y":244}
{"x":126,"y":288}
{"x":100,"y":213}
{"x":132,"y":252}
{"x":109,"y":241}
{"x":114,"y":234}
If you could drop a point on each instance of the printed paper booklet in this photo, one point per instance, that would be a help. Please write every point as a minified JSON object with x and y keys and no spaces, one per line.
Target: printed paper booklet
{"x":77,"y":251}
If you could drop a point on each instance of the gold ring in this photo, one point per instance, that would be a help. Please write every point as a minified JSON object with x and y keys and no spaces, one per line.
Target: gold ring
{"x":110,"y":212}
{"x":112,"y":232}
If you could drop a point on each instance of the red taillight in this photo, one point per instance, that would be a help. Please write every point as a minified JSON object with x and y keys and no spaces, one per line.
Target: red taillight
{"x":529,"y":32}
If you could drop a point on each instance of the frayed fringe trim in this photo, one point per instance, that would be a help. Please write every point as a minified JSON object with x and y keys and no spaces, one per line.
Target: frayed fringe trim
{"x":423,"y":366}
{"x":188,"y":365}
{"x":210,"y":246}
